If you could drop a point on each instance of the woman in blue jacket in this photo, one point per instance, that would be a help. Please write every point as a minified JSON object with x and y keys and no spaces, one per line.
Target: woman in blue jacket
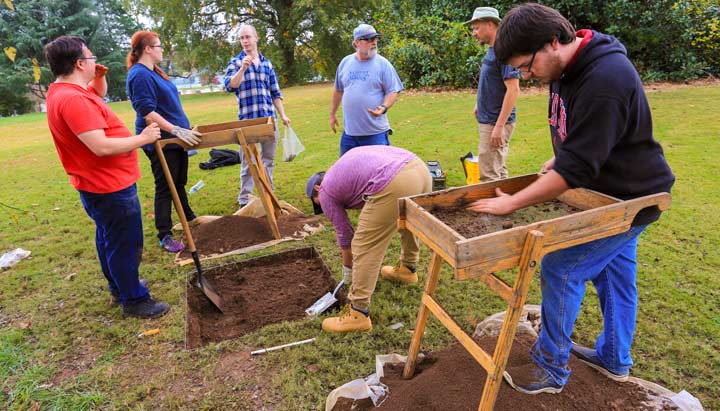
{"x":156,"y":99}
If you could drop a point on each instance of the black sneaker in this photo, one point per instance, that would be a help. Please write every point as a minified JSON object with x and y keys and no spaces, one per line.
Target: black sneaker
{"x":589,"y":357}
{"x":146,"y":309}
{"x":531,"y":379}
{"x":116,"y":297}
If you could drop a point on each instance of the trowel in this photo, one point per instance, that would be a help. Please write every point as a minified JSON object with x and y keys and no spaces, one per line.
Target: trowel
{"x":324,"y":302}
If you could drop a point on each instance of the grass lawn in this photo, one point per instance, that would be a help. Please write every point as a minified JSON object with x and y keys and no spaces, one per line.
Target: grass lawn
{"x":63,"y":347}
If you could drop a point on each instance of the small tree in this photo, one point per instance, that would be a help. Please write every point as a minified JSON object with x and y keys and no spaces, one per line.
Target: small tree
{"x":102,"y":23}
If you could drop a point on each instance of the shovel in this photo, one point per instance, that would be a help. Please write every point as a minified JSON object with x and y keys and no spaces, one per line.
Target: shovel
{"x":202,"y":283}
{"x":324,"y":302}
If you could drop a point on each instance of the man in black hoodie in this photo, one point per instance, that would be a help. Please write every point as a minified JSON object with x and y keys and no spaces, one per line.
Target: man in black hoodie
{"x":601,"y":131}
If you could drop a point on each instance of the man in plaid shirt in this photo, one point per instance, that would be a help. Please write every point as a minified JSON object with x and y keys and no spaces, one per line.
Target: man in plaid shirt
{"x":252,"y":78}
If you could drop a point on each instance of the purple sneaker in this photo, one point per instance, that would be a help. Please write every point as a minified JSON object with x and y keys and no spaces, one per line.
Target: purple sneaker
{"x":169,"y":244}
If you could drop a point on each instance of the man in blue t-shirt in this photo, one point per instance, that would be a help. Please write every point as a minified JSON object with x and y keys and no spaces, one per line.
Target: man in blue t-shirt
{"x":498,"y":90}
{"x":368,"y":85}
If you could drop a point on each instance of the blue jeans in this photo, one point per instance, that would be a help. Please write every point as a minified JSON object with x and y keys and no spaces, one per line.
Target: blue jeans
{"x":348,"y":142}
{"x":611,"y":265}
{"x":119,"y":240}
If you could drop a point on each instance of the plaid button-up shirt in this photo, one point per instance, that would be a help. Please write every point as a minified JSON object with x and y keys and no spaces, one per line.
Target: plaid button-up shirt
{"x":256,"y":92}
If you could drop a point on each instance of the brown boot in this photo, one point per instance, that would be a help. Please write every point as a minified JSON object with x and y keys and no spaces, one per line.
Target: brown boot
{"x":402,"y":274}
{"x":348,"y":320}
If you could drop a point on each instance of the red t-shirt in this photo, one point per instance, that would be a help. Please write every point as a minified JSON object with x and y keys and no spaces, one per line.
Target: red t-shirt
{"x":72,"y":110}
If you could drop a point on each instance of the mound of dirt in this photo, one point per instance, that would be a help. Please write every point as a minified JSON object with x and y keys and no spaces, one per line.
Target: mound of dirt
{"x":451,"y":379}
{"x":235,"y":232}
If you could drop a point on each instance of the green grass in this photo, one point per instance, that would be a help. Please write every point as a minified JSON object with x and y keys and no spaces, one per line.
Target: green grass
{"x":78,"y":353}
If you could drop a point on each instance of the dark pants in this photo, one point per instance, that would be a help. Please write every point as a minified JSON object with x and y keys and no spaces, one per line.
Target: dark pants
{"x":348,"y":142}
{"x":119,"y":240}
{"x":177,"y":161}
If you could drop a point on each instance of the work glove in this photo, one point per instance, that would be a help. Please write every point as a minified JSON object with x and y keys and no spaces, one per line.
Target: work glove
{"x":189,"y":137}
{"x":347,"y":275}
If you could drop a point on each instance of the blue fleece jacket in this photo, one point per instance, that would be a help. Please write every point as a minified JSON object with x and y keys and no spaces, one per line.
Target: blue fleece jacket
{"x":149,"y":92}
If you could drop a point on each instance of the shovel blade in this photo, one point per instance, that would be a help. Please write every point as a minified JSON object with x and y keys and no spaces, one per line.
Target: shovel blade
{"x":209,"y":291}
{"x":322,"y":304}
{"x":203,"y":284}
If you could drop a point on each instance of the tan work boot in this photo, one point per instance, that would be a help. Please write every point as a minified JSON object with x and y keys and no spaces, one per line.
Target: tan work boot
{"x":348,"y":320}
{"x":402,"y":274}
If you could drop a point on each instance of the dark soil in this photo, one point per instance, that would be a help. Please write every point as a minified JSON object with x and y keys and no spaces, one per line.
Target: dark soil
{"x":257,"y":292}
{"x":235,"y":232}
{"x":452,"y":380}
{"x":470,"y":224}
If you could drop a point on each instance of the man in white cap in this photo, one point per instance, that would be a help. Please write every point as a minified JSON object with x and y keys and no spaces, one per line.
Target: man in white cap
{"x":498,"y":90}
{"x":368,"y":85}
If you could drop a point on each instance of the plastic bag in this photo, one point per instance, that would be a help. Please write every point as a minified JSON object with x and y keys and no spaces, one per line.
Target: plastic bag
{"x":291,"y":145}
{"x":11,"y":258}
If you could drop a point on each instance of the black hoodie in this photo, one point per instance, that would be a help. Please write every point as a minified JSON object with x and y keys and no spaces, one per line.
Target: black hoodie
{"x":601,"y":126}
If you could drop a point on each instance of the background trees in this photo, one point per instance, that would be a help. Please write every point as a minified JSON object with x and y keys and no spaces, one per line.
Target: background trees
{"x":426,"y":40}
{"x":299,"y":36}
{"x":665,"y":39}
{"x":33,"y":23}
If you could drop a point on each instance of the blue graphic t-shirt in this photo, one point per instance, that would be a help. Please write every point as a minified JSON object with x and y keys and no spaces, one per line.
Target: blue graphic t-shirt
{"x":364,"y":85}
{"x":491,"y":88}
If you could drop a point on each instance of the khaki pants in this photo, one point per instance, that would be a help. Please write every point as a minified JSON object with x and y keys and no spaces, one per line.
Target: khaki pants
{"x":491,"y":159}
{"x":376,"y":225}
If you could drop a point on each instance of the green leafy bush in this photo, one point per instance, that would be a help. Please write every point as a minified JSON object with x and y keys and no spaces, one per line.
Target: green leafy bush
{"x":430,"y":45}
{"x":702,"y":19}
{"x":428,"y":51}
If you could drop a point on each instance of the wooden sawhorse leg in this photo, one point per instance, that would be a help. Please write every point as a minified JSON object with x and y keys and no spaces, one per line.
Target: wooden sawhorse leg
{"x":433,"y":277}
{"x":269,"y":201}
{"x":529,"y":260}
{"x":495,"y":365}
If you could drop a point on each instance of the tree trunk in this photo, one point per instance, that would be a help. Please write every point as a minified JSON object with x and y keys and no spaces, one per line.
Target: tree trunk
{"x":287,"y":29}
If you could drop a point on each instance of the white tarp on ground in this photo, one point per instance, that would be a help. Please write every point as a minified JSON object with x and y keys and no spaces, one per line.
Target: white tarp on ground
{"x":371,"y":387}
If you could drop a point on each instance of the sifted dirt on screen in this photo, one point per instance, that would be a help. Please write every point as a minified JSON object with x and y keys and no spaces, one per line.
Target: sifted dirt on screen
{"x":470,"y":224}
{"x":451,"y":379}
{"x":257,"y":292}
{"x":235,"y":232}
